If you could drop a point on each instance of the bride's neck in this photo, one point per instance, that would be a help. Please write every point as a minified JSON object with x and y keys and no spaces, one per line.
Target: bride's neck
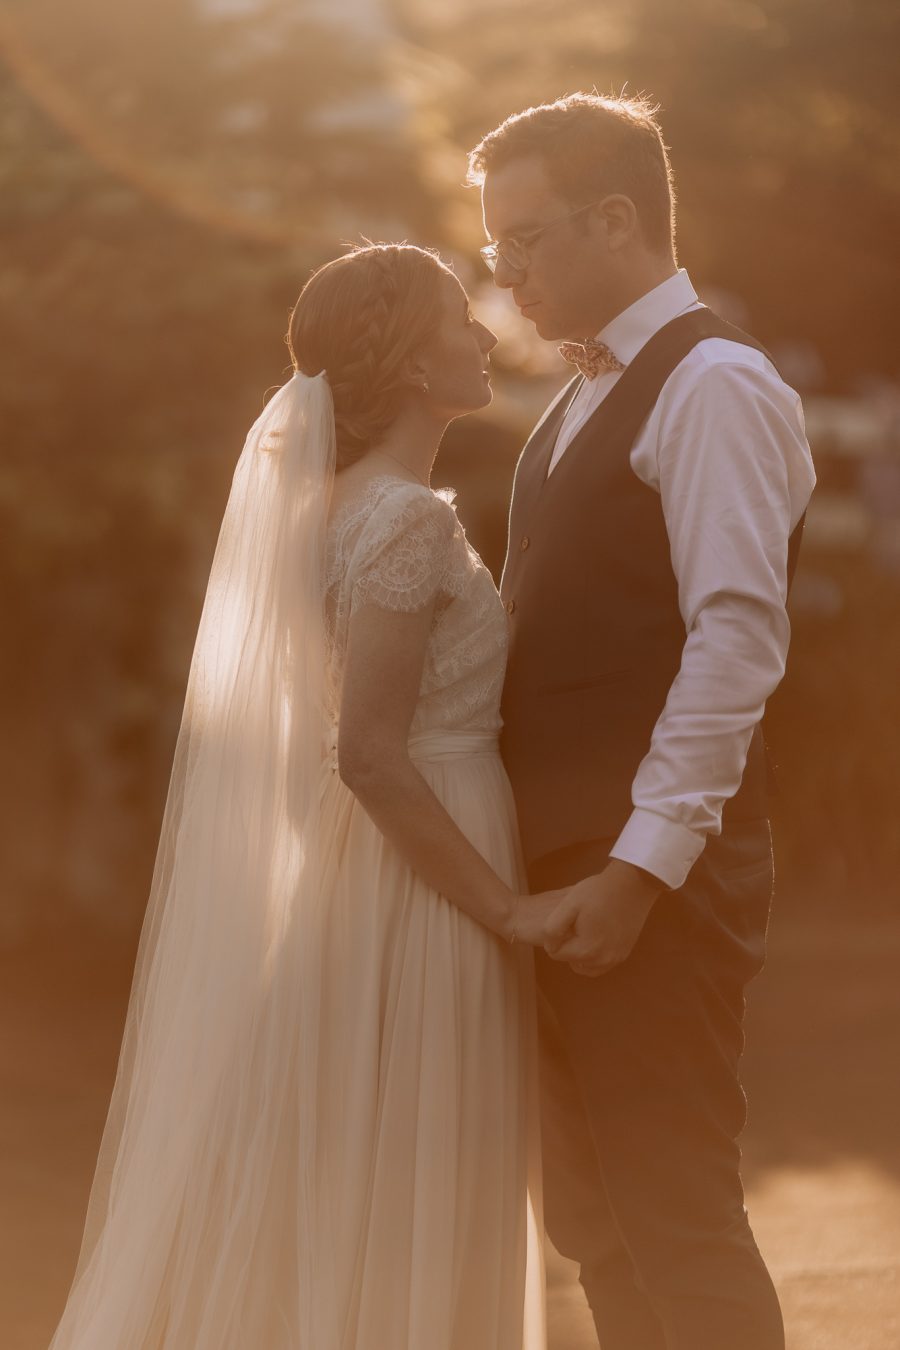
{"x":412,"y":442}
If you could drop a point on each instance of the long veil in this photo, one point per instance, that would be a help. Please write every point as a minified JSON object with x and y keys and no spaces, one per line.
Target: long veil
{"x":201,"y":1164}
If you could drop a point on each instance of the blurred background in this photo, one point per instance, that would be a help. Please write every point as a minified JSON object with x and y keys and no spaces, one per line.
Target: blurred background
{"x":170,"y":173}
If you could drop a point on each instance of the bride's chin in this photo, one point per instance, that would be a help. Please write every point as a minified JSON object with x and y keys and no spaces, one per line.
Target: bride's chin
{"x":480,"y":399}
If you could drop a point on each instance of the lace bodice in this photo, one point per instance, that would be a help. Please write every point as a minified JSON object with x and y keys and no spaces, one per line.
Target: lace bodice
{"x":400,"y":546}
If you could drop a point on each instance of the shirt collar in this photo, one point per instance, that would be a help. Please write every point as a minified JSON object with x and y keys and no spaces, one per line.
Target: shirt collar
{"x":628,"y":332}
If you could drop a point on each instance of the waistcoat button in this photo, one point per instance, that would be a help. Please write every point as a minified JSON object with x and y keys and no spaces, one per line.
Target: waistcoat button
{"x":525,"y":542}
{"x":510,"y":606}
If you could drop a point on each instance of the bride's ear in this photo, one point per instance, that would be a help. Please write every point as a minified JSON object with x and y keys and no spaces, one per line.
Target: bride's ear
{"x":413,"y":373}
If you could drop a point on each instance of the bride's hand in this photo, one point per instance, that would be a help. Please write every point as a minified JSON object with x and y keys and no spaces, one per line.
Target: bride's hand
{"x":532,"y":913}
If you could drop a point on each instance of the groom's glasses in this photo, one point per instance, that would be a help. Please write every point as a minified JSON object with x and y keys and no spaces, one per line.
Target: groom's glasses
{"x":515,"y":250}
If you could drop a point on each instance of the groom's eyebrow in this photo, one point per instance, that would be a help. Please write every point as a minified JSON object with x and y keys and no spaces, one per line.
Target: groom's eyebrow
{"x":521,"y":227}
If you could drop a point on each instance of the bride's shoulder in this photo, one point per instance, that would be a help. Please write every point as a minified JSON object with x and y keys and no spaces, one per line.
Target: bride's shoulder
{"x":397,"y":543}
{"x":383,"y":505}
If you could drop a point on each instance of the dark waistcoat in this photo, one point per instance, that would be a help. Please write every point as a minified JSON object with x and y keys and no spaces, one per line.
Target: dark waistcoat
{"x":596,"y":635}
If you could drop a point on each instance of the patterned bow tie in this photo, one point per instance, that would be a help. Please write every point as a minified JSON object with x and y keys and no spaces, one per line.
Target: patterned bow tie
{"x":592,"y":358}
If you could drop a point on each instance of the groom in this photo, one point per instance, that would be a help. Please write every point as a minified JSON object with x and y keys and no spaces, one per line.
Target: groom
{"x":653,"y":532}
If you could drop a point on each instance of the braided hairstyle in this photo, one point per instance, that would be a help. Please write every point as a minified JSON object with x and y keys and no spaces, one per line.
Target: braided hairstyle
{"x":359,"y":318}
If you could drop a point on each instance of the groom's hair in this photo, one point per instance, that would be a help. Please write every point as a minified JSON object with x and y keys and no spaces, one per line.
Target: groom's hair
{"x":592,"y":146}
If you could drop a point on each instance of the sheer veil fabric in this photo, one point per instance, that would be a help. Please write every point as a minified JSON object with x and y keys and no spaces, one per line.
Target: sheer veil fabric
{"x":184,"y":1225}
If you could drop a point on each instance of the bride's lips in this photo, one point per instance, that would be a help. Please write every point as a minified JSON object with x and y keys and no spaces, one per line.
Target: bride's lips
{"x":530,"y":305}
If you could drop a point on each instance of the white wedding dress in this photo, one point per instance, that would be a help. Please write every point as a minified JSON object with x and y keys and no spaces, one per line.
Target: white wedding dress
{"x":324,"y":1129}
{"x":428,"y":1173}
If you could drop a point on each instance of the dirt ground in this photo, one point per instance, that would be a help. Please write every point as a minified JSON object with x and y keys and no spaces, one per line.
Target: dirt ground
{"x":822,"y":1150}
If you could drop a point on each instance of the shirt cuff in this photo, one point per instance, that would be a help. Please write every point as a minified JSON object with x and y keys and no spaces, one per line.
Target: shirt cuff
{"x":660,"y":846}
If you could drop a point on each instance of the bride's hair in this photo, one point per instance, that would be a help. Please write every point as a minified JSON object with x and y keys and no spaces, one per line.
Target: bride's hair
{"x":358,"y":318}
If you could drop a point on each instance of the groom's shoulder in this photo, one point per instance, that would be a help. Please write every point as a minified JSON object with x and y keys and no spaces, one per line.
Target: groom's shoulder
{"x":714,"y":353}
{"x":724,"y":365}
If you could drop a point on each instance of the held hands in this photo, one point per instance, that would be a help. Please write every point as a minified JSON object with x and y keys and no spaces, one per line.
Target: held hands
{"x":595,"y":924}
{"x":532,"y":913}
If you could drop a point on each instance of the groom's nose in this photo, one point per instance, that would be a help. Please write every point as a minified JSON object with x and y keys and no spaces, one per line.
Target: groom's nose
{"x":506,"y":276}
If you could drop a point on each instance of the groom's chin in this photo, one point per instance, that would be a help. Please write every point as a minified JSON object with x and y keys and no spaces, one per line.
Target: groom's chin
{"x":546,"y":327}
{"x":541,"y":324}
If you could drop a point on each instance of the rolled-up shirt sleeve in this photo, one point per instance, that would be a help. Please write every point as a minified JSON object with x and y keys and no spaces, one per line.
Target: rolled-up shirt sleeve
{"x":734,"y":474}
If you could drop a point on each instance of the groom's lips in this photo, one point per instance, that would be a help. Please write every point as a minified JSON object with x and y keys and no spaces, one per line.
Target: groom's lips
{"x":530,"y":305}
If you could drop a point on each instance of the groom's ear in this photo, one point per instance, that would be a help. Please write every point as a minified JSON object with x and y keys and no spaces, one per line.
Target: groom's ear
{"x":617,"y":216}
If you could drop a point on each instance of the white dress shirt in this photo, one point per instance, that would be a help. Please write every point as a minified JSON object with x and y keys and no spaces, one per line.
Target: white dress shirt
{"x":726,"y":450}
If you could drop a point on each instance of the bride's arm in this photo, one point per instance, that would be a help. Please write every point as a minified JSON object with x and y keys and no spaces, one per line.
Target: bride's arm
{"x":383,"y":672}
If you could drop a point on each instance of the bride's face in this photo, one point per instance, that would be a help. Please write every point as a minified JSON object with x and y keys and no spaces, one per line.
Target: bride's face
{"x":454,"y":362}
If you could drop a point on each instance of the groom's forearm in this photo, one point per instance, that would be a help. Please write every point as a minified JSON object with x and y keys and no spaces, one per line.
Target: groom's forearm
{"x":699,"y":747}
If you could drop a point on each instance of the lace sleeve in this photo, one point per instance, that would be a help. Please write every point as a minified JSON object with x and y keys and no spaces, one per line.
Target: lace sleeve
{"x":405,"y":555}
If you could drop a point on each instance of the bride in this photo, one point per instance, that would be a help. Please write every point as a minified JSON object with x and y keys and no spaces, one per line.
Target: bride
{"x":323,"y":1130}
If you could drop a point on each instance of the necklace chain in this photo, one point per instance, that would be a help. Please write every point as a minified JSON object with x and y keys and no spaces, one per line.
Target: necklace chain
{"x":386,"y":454}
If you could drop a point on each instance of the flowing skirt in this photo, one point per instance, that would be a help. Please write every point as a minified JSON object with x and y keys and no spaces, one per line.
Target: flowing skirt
{"x":428,"y":1200}
{"x":370,"y":1177}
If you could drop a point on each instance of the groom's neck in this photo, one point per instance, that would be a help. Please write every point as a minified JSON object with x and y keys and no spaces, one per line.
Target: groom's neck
{"x":642,"y":275}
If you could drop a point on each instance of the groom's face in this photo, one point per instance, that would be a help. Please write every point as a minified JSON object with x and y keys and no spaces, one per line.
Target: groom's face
{"x":564,"y":287}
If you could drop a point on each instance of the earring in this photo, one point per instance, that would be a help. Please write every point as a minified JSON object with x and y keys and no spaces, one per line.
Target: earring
{"x":425,"y":388}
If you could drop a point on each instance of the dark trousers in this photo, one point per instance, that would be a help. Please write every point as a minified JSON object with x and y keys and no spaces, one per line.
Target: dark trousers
{"x":642,"y":1107}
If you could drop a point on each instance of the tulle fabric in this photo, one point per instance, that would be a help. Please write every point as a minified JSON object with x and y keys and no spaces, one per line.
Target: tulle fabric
{"x":428,"y":1212}
{"x":194,"y":1233}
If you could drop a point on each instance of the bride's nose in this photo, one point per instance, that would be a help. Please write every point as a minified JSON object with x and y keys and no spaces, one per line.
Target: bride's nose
{"x":489,"y":340}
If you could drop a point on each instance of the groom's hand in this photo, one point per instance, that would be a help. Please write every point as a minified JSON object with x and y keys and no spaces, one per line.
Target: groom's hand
{"x":600,"y":920}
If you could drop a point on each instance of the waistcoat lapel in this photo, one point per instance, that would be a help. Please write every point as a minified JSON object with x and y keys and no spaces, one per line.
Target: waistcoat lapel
{"x":531,"y":470}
